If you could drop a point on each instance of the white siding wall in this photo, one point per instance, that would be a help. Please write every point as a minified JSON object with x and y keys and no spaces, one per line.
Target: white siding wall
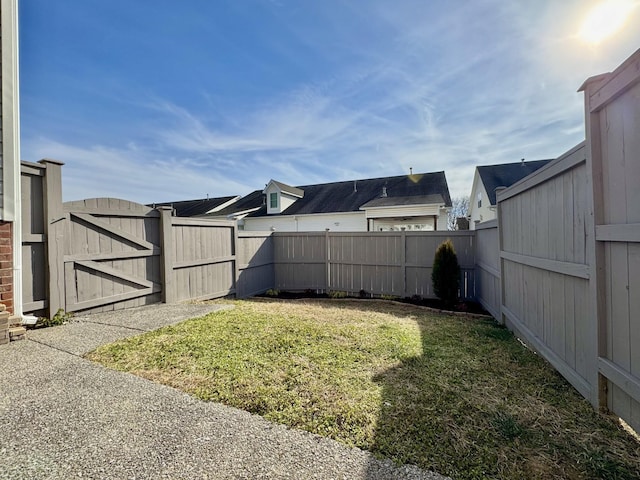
{"x":484,"y":213}
{"x":402,"y":211}
{"x":386,"y":223}
{"x":346,"y":222}
{"x":442,"y":220}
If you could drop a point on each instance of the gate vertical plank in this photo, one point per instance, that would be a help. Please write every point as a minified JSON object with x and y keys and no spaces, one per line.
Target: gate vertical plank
{"x":55,"y":226}
{"x":167,"y":259}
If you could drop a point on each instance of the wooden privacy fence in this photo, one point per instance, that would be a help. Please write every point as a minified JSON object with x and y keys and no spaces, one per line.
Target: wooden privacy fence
{"x":568,"y":239}
{"x":488,"y":286}
{"x":104,"y":254}
{"x":612,"y":104}
{"x":542,"y":245}
{"x":381,"y":263}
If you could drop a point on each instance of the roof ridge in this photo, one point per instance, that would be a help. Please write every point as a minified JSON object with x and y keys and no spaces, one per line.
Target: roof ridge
{"x":515,"y":163}
{"x":372,"y":179}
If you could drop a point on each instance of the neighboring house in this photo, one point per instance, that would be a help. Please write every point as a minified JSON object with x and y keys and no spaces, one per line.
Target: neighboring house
{"x":198,"y":207}
{"x":405,"y":202}
{"x":482,"y":203}
{"x":10,"y":200}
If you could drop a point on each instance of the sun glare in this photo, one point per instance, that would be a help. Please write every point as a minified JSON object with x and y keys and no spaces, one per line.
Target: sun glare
{"x":605,"y":19}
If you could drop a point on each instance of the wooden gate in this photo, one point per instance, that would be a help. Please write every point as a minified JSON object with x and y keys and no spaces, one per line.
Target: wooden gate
{"x":111,"y":255}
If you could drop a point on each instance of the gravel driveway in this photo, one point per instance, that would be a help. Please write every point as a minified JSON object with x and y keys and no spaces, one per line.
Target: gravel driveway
{"x":63,"y":417}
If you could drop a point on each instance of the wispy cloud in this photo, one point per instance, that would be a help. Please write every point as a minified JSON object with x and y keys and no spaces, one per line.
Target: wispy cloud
{"x":438,"y":86}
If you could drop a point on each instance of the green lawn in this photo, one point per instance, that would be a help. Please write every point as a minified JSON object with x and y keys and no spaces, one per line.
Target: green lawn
{"x":457,"y":395}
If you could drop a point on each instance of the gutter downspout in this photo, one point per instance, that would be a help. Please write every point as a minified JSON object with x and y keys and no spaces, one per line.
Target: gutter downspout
{"x":12,"y":200}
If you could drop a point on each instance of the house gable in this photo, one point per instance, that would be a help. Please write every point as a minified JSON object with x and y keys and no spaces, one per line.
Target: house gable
{"x":280,"y":196}
{"x":506,"y":174}
{"x":487,"y":178}
{"x":480,"y":208}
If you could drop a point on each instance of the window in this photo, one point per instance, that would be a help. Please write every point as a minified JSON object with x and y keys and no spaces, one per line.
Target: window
{"x":479,"y":199}
{"x":273,"y":200}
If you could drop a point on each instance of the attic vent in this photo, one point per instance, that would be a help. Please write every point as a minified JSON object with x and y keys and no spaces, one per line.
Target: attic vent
{"x":355,"y":186}
{"x":522,"y":162}
{"x":384,"y":192}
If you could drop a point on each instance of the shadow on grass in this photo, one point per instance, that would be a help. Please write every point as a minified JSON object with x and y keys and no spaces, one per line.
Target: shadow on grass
{"x":477,"y":404}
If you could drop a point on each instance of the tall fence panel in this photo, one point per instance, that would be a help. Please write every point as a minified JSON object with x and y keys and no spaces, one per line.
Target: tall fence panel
{"x":612,"y":104}
{"x":488,"y":286}
{"x":300,"y":261}
{"x":381,"y":263}
{"x":203,"y":258}
{"x":543,"y":264}
{"x":34,"y":256}
{"x":256,"y":271}
{"x":111,"y":255}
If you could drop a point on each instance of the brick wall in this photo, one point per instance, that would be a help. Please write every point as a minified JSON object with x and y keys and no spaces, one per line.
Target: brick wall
{"x":6,"y":265}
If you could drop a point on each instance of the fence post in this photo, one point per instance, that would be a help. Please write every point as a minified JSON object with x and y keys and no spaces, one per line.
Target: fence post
{"x":403,"y":262}
{"x":500,"y":246}
{"x":166,"y":257}
{"x":54,"y":230}
{"x":595,"y":250}
{"x":236,"y":264}
{"x":327,"y":261}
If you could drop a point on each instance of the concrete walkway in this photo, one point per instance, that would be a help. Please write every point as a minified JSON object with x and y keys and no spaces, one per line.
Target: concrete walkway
{"x":64,"y":417}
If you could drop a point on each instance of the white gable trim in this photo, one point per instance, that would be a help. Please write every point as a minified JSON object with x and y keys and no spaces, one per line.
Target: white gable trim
{"x":224,"y":205}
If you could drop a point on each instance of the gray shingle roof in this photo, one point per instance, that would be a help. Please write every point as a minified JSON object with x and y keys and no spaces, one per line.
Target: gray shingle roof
{"x":350,"y":195}
{"x":192,"y":208}
{"x":506,"y":174}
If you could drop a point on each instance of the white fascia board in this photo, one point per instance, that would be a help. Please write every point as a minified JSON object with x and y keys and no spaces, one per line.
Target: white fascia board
{"x":224,"y":205}
{"x":241,"y":214}
{"x":404,"y":210}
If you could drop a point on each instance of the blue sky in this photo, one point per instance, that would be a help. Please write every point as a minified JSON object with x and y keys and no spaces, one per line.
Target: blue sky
{"x":158,"y":100}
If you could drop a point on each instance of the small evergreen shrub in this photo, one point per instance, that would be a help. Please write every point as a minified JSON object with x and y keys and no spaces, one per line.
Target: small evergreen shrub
{"x":445,"y":274}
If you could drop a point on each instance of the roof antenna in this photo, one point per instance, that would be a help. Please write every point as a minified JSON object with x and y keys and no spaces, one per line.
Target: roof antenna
{"x":355,"y":186}
{"x":207,"y":196}
{"x":522,"y":162}
{"x":410,"y":170}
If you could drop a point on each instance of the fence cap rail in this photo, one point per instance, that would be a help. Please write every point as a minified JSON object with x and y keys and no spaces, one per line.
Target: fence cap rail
{"x":44,"y":161}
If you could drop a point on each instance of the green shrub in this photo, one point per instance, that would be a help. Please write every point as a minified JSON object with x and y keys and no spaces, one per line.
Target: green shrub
{"x":446,"y":273}
{"x":272,"y":292}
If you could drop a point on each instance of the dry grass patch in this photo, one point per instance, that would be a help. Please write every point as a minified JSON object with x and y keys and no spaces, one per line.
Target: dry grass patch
{"x":457,"y":395}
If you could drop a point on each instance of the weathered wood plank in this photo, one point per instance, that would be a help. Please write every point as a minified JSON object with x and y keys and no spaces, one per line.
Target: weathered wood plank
{"x":565,"y":268}
{"x":118,"y":232}
{"x":85,"y":305}
{"x":100,"y":267}
{"x":621,"y":377}
{"x":626,"y":232}
{"x":567,"y":372}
